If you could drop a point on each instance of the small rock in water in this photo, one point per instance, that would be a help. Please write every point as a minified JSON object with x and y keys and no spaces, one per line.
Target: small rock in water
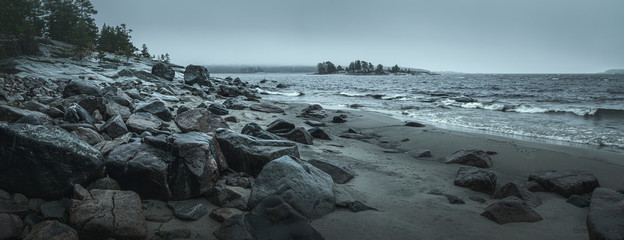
{"x":454,"y":199}
{"x":355,"y":206}
{"x":315,"y":123}
{"x":414,"y":124}
{"x":338,"y":119}
{"x":419,"y":153}
{"x":511,"y":209}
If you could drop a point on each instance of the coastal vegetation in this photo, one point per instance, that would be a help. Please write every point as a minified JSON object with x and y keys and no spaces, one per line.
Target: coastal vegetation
{"x":360,"y":67}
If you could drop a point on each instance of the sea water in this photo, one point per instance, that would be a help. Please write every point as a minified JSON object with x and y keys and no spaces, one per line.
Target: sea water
{"x":578,"y":109}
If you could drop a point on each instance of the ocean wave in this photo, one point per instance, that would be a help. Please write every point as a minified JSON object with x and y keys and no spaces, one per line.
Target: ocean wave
{"x":288,"y":94}
{"x":522,"y":108}
{"x":375,"y":96}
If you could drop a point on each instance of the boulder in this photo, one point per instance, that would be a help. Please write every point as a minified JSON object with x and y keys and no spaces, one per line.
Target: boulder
{"x":218,"y":109}
{"x":182,"y":109}
{"x":479,"y":180}
{"x":579,"y":201}
{"x":196,"y":74}
{"x":51,"y":230}
{"x":114,"y":108}
{"x":235,"y":104}
{"x":76,"y":114}
{"x":249,"y":154}
{"x":77,"y":87}
{"x":143,"y":121}
{"x":605,"y":219}
{"x":265,"y":107}
{"x":253,"y":129}
{"x":236,"y":227}
{"x":419,"y":153}
{"x":140,"y":168}
{"x":305,"y":187}
{"x":52,"y":210}
{"x":472,"y":157}
{"x":156,"y":107}
{"x":104,"y":183}
{"x":10,"y":206}
{"x":313,"y":123}
{"x":511,"y":209}
{"x":102,"y":214}
{"x":299,"y":135}
{"x":92,"y":103}
{"x":199,"y":120}
{"x":115,"y":127}
{"x":338,"y":172}
{"x":339,"y":119}
{"x":320,"y":133}
{"x":221,"y":214}
{"x":45,"y":161}
{"x":187,"y":210}
{"x":239,"y":180}
{"x":313,"y":111}
{"x":12,"y":114}
{"x":11,"y":226}
{"x":223,"y":195}
{"x":414,"y":124}
{"x":274,"y":218}
{"x":164,"y":71}
{"x":512,"y":189}
{"x":566,"y":182}
{"x":88,"y":135}
{"x":280,"y":126}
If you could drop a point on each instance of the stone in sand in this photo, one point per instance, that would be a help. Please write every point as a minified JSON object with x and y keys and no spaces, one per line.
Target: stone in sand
{"x":199,"y":120}
{"x":221,"y":214}
{"x":511,"y":209}
{"x":115,"y":127}
{"x":162,"y":70}
{"x":474,"y":157}
{"x":512,"y":189}
{"x":339,"y":119}
{"x":419,"y":153}
{"x":299,"y":135}
{"x":143,"y":121}
{"x":579,"y":201}
{"x":253,"y":129}
{"x":315,"y":123}
{"x":188,"y":210}
{"x":280,"y":126}
{"x":605,"y":219}
{"x":76,"y":114}
{"x":305,"y":187}
{"x":355,"y":206}
{"x":235,"y":104}
{"x":12,"y":114}
{"x":274,"y":218}
{"x":235,"y":227}
{"x":156,"y":107}
{"x":196,"y":74}
{"x":477,"y":179}
{"x":218,"y":109}
{"x":224,"y":195}
{"x":338,"y":172}
{"x":320,"y":133}
{"x":77,"y":87}
{"x":249,"y":154}
{"x":566,"y":182}
{"x":313,"y":111}
{"x":414,"y":124}
{"x":45,"y":161}
{"x":265,"y":107}
{"x":51,"y":230}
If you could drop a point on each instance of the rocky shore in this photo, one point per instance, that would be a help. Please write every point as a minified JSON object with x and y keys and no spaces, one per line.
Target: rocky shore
{"x":155,"y":151}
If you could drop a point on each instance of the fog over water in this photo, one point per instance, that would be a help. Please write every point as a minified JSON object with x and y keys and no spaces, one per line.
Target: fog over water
{"x":469,"y":36}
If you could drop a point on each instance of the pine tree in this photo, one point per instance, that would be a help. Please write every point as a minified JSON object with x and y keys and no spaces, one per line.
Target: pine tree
{"x":144,"y":52}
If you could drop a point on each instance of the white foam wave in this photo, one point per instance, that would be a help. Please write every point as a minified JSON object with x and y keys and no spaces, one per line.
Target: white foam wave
{"x":288,"y":94}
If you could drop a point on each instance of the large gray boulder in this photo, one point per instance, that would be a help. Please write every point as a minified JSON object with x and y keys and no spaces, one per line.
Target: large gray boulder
{"x":234,"y":104}
{"x":313,"y":111}
{"x":156,"y":107}
{"x":511,"y":209}
{"x":199,"y":120}
{"x":77,"y":87}
{"x":474,"y":157}
{"x":338,"y":172}
{"x":605,"y":219}
{"x":477,"y":179}
{"x":299,"y":135}
{"x":306,"y":188}
{"x":253,"y":129}
{"x":512,"y":189}
{"x":143,"y":121}
{"x":77,"y":114}
{"x":164,"y":71}
{"x":11,"y":226}
{"x":103,"y":214}
{"x":115,"y":127}
{"x":249,"y":154}
{"x":51,"y":230}
{"x":566,"y":182}
{"x":45,"y":161}
{"x":12,"y":114}
{"x":274,"y":218}
{"x":196,"y":74}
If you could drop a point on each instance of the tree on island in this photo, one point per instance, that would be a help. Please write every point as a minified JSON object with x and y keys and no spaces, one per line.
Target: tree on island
{"x":145,"y":53}
{"x":379,"y":69}
{"x":395,"y":69}
{"x":326,"y":68}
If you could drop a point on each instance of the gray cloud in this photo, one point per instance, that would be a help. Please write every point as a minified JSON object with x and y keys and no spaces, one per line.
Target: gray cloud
{"x":460,"y":35}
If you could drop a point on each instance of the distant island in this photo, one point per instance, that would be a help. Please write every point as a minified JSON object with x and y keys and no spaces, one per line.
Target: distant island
{"x":360,"y":67}
{"x":615,"y":71}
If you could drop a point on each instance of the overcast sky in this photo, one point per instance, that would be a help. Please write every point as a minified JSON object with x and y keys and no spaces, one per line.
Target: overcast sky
{"x":493,"y":36}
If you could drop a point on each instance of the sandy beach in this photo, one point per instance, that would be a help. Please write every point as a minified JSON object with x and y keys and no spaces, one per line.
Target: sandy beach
{"x":406,"y":190}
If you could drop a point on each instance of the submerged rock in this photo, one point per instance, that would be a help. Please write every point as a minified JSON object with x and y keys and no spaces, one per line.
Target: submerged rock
{"x":565,"y":182}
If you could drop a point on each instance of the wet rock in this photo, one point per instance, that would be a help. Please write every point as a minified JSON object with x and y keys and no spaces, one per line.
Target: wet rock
{"x":104,"y":183}
{"x":182,"y":109}
{"x":512,"y":189}
{"x":313,"y":123}
{"x":357,"y":136}
{"x":196,"y":74}
{"x":221,"y":214}
{"x":199,"y":120}
{"x":163,"y":70}
{"x":11,"y":226}
{"x":338,"y":119}
{"x":305,"y":187}
{"x":313,"y":111}
{"x":218,"y":109}
{"x":511,"y":209}
{"x":188,"y":210}
{"x":249,"y":154}
{"x":12,"y":114}
{"x":472,"y":157}
{"x":45,"y":161}
{"x":355,"y":206}
{"x":52,"y":210}
{"x":114,"y":108}
{"x":88,"y":135}
{"x":29,"y":119}
{"x":236,"y":227}
{"x":156,"y":107}
{"x":419,"y":153}
{"x":280,"y":126}
{"x":566,"y":182}
{"x":106,"y":146}
{"x":77,"y":87}
{"x":115,"y":127}
{"x":479,"y":180}
{"x":51,"y":230}
{"x":223,"y":195}
{"x":478,"y":199}
{"x":320,"y":133}
{"x":239,"y":180}
{"x":76,"y":114}
{"x":101,"y":214}
{"x":299,"y":135}
{"x":454,"y":199}
{"x":414,"y":124}
{"x":253,"y":129}
{"x":338,"y":172}
{"x":274,"y":218}
{"x":235,"y":104}
{"x":265,"y":107}
{"x":579,"y":201}
{"x":605,"y":219}
{"x":142,"y":121}
{"x":533,"y":186}
{"x":11,"y":206}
